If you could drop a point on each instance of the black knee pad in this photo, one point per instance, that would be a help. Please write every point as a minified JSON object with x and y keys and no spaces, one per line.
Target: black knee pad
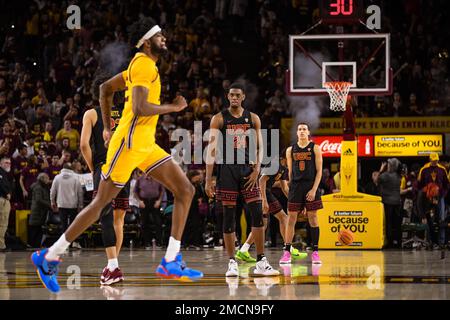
{"x":229,"y":220}
{"x":256,"y":213}
{"x":108,"y":232}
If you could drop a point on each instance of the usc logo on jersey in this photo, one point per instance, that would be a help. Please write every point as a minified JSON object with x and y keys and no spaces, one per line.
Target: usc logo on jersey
{"x":302,"y":157}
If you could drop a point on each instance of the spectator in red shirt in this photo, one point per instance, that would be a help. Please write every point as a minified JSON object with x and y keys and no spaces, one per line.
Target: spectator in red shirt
{"x":73,"y":115}
{"x":431,"y":174}
{"x":434,"y":172}
{"x":28,"y":177}
{"x":54,"y":168}
{"x":42,"y":157}
{"x":20,"y":162}
{"x":10,"y":138}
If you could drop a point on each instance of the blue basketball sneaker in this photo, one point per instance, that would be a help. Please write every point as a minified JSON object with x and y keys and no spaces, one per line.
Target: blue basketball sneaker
{"x":177,"y":270}
{"x":46,"y":270}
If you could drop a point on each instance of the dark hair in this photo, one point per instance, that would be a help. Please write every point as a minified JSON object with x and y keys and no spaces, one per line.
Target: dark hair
{"x":237,"y":85}
{"x":99,"y":77}
{"x":303,"y":123}
{"x":138,"y":29}
{"x":5,"y":158}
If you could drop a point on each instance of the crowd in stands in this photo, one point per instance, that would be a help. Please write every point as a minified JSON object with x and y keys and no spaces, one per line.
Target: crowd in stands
{"x":47,"y":72}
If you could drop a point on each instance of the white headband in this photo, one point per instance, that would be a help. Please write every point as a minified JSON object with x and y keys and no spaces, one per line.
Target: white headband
{"x":148,"y":35}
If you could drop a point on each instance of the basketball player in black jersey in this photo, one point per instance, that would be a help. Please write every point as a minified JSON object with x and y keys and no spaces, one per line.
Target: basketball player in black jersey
{"x":94,"y":152}
{"x":236,"y":136}
{"x":304,"y":160}
{"x":271,"y":206}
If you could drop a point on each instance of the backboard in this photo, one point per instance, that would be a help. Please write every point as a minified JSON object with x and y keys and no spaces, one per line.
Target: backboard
{"x":362,"y":59}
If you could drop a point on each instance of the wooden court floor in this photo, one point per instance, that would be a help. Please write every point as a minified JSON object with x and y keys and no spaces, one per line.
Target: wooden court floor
{"x":344,"y":275}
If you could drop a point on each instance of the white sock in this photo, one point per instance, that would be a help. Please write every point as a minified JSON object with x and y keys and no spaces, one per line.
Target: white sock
{"x":57,"y":248}
{"x":245,"y":247}
{"x":172,"y":249}
{"x":113,"y":264}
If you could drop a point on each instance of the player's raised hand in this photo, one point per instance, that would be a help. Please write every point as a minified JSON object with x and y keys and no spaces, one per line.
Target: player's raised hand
{"x":179,"y":103}
{"x":106,"y":137}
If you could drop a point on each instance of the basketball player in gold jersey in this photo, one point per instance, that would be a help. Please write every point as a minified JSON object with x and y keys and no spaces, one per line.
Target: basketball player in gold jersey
{"x":132,"y":146}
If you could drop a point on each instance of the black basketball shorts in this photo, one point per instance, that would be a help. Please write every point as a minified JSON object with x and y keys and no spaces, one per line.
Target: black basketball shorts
{"x":230,"y":183}
{"x":274,"y":204}
{"x":297,"y":197}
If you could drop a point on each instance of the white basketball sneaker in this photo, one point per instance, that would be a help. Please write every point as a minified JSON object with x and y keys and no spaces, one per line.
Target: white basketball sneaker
{"x":263,"y":268}
{"x":233,"y":270}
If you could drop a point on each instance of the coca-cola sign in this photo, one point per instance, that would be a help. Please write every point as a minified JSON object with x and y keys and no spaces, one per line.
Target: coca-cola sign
{"x":331,"y":146}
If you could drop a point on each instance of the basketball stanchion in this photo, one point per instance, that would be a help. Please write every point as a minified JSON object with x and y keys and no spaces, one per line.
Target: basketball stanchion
{"x":350,"y":219}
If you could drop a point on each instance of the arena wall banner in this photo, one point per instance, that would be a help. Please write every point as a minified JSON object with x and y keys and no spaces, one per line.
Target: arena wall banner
{"x":331,"y":146}
{"x":373,"y":126}
{"x":408,"y":145}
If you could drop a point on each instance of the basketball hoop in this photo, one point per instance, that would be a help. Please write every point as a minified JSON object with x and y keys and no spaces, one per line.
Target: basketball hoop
{"x":338,"y":92}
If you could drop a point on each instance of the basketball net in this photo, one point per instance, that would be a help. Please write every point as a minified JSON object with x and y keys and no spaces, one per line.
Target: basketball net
{"x":338,"y":92}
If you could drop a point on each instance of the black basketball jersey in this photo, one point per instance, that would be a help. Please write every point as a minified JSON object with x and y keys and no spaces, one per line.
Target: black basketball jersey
{"x":97,"y":143}
{"x":236,"y":138}
{"x":303,"y":163}
{"x":282,"y":174}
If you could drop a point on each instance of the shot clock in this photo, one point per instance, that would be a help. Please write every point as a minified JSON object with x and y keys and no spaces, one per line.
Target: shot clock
{"x":341,"y":11}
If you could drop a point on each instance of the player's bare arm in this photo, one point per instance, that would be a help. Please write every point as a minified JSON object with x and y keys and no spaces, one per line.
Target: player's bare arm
{"x":216,"y":124}
{"x":89,"y":120}
{"x":262,"y":184}
{"x":289,"y":162}
{"x":107,"y":90}
{"x":141,"y":107}
{"x":253,"y":177}
{"x":318,"y":160}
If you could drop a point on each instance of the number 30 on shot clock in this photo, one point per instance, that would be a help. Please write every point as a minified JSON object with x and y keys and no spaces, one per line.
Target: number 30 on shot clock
{"x":348,"y":12}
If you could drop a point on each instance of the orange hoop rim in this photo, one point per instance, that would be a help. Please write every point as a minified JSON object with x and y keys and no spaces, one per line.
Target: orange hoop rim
{"x":337,"y":85}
